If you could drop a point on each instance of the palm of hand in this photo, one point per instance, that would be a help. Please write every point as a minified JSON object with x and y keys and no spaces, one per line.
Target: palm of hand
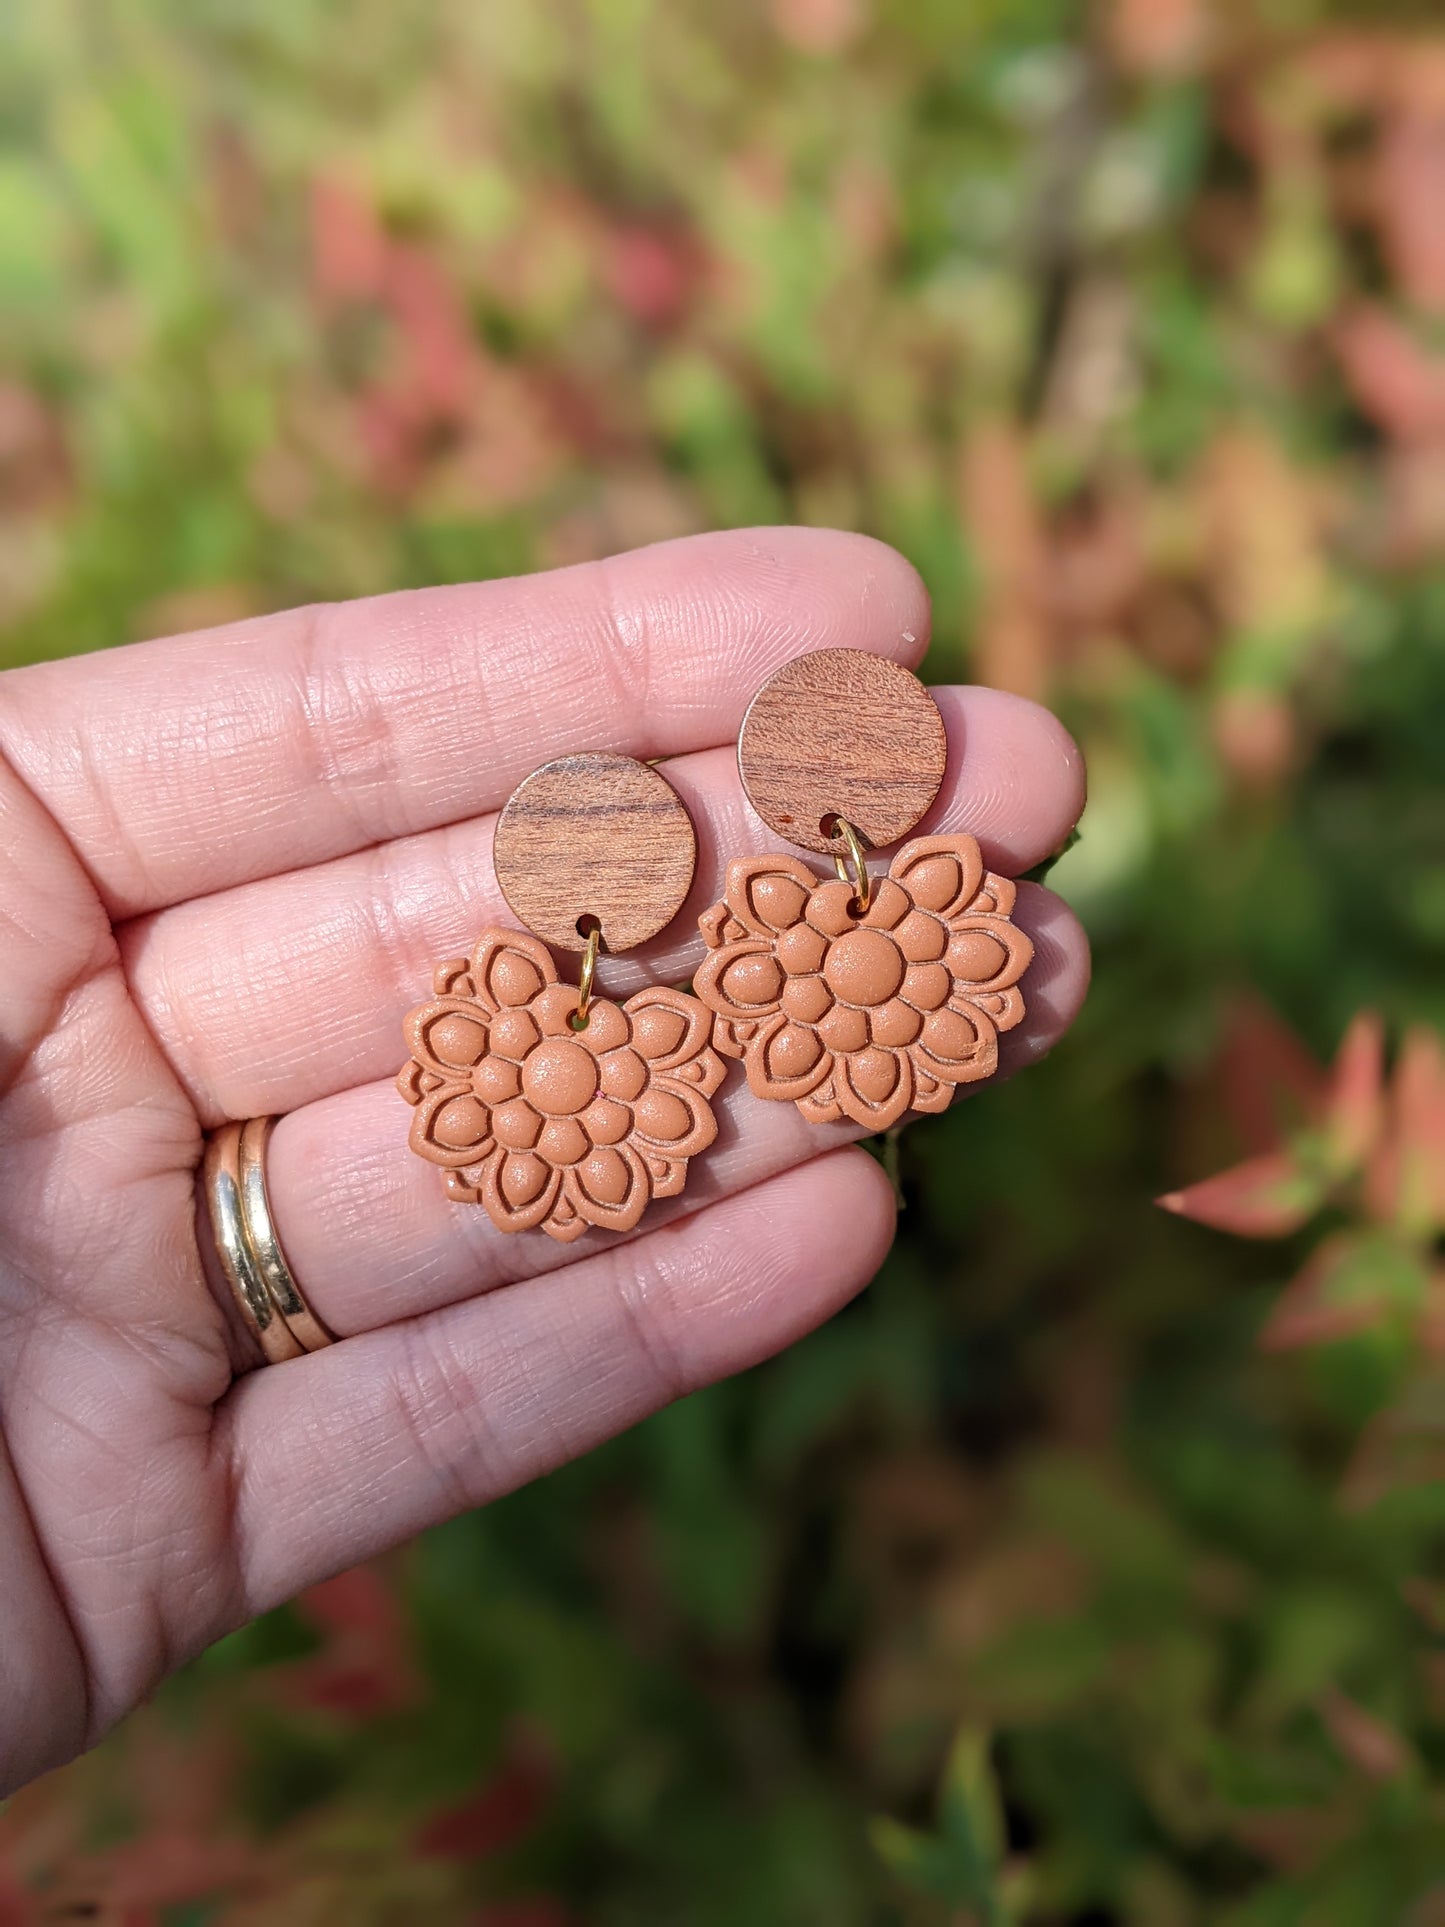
{"x":225,"y":863}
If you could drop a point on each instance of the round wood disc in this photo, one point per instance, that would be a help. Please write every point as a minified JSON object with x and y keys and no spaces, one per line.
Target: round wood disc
{"x":842,"y":733}
{"x":599,"y":836}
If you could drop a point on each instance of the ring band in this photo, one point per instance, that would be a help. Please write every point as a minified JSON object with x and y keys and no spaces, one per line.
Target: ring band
{"x":302,"y":1323}
{"x":251,"y":1257}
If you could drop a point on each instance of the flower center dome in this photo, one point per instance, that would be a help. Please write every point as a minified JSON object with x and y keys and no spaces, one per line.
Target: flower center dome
{"x":559,"y":1077}
{"x":863,"y":967}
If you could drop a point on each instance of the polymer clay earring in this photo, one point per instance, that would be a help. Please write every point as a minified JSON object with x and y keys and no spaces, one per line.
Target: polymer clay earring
{"x":857,"y":996}
{"x":547,"y":1104}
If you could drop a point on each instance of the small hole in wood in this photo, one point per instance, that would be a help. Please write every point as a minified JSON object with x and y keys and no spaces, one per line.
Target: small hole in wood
{"x":587,"y":923}
{"x":828,"y":825}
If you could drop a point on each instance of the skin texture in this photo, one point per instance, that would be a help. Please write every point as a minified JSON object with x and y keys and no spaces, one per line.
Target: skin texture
{"x":227,"y":864}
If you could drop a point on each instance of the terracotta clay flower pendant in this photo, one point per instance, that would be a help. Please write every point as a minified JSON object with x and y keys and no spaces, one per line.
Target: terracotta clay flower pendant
{"x":547,"y":1125}
{"x":861,"y":996}
{"x":548,"y":1105}
{"x":865,"y":1015}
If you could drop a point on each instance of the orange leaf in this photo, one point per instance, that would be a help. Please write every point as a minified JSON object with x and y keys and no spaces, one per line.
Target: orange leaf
{"x":1265,"y":1197}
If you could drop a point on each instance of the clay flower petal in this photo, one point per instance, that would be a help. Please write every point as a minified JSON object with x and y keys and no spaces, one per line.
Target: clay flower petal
{"x":454,"y":978}
{"x":741,"y":981}
{"x":519,"y":1189}
{"x":890,"y":905}
{"x":673,"y":1032}
{"x":940,"y":873}
{"x":451,"y":1127}
{"x":672,"y":1120}
{"x":767,"y":893}
{"x":510,"y":969}
{"x":447,"y":1036}
{"x":986,"y":953}
{"x":830,"y":908}
{"x":1005,"y":1007}
{"x":668,"y":1174}
{"x":996,"y":896}
{"x":554,"y":1008}
{"x":875,"y":1086}
{"x":610,"y":1188}
{"x":821,"y":1106}
{"x":415,"y":1081}
{"x":786,"y":1060}
{"x":959,"y":1044}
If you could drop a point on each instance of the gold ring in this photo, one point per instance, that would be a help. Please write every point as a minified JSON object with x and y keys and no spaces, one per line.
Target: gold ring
{"x":250,"y":1253}
{"x":861,"y":881}
{"x":260,"y":1228}
{"x":586,"y":977}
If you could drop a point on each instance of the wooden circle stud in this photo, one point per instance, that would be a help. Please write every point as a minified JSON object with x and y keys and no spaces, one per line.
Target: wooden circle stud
{"x":595,"y":836}
{"x":842,"y":733}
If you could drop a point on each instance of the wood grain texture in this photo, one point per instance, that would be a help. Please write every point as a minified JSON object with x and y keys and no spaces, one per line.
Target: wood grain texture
{"x":595,"y":835}
{"x":840,"y":732}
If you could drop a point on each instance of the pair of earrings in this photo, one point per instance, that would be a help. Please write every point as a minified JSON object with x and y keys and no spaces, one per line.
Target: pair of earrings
{"x":853,"y":996}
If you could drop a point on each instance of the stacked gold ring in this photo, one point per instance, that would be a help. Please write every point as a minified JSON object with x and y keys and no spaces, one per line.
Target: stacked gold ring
{"x":250,"y":1251}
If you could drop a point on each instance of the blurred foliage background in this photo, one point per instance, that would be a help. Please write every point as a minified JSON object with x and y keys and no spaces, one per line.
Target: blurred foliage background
{"x":1089,"y":1569}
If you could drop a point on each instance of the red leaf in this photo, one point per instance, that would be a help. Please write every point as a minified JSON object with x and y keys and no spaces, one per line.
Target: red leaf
{"x":1304,"y":1314}
{"x":17,"y":1909}
{"x":365,"y":1665}
{"x":1271,"y":1082}
{"x":1405,"y":1182}
{"x":502,"y":1812}
{"x":348,"y":243}
{"x":1396,"y":380}
{"x":1366,"y":1742}
{"x":1265,"y":1197}
{"x":1355,"y":1106}
{"x":1411,"y":192}
{"x":651,"y":275}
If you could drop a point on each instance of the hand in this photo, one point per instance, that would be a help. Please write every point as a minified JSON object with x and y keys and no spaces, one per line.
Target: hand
{"x":228,"y":863}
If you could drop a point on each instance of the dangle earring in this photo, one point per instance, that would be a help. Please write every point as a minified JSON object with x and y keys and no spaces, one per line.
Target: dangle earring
{"x":544,"y":1102}
{"x":859,"y":997}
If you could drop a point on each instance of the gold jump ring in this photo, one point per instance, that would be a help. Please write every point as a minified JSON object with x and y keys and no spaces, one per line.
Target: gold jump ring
{"x":861,"y":881}
{"x":587,"y":976}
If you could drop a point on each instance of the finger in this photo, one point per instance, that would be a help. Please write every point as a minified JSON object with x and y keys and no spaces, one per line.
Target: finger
{"x":283,"y":991}
{"x":183,"y":767}
{"x":372,"y":1237}
{"x":337,"y":1456}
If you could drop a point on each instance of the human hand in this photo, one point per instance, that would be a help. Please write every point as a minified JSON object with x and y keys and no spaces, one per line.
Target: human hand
{"x":228,"y":862}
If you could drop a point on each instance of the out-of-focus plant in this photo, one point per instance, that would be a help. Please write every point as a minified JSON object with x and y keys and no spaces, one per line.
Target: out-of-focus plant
{"x":1124,"y":322}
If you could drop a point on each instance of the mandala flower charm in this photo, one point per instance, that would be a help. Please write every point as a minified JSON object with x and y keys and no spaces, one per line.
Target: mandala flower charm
{"x":546,"y":1125}
{"x":865,"y":1016}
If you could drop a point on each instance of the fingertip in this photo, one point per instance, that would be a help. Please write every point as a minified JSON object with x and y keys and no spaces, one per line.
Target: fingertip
{"x":843,"y":1213}
{"x":1015,"y":779}
{"x":832,"y":588}
{"x":1057,"y":980}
